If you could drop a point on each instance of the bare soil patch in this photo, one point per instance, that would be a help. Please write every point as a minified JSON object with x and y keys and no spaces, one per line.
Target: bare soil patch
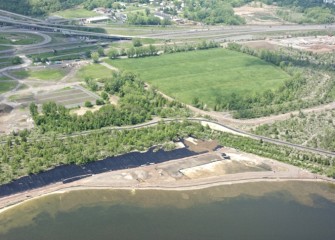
{"x":259,"y":13}
{"x":197,"y":145}
{"x":82,"y":110}
{"x":114,"y":99}
{"x":17,"y":119}
{"x":317,"y":44}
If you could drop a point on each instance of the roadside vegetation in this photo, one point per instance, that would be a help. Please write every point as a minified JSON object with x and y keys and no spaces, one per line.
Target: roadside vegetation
{"x":68,"y":54}
{"x":315,"y":130}
{"x":310,"y":84}
{"x":302,"y":11}
{"x":6,"y":62}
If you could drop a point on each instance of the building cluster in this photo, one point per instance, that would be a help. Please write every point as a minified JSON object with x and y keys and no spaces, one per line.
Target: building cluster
{"x":163,"y":9}
{"x":107,"y":14}
{"x":329,"y":1}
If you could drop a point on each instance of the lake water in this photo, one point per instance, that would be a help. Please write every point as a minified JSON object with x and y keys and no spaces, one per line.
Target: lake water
{"x":281,"y":210}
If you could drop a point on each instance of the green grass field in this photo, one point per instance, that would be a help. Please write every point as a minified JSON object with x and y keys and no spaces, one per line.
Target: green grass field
{"x":19,"y":38}
{"x":41,"y":74}
{"x":205,"y":74}
{"x":95,"y":71}
{"x":76,"y":13}
{"x":7,"y":86}
{"x":4,"y":78}
{"x":2,"y":48}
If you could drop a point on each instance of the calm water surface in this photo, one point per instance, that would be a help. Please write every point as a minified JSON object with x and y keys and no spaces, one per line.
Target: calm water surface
{"x":291,"y":210}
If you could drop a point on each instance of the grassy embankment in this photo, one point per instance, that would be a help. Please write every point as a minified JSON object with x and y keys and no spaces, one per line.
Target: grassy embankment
{"x":76,"y":13}
{"x":68,"y":54}
{"x":205,"y":74}
{"x":7,"y":86}
{"x":19,"y":38}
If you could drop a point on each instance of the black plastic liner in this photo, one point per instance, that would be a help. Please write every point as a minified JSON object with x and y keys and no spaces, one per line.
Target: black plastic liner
{"x":69,"y":173}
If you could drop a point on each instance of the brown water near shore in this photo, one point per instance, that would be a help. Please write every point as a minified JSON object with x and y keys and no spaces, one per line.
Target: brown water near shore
{"x":283,"y":204}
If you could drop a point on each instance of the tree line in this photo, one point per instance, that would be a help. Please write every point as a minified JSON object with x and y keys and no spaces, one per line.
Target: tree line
{"x":140,"y":18}
{"x":20,"y":157}
{"x":37,"y":7}
{"x":136,"y":105}
{"x":204,"y":45}
{"x":213,"y":12}
{"x":144,"y":51}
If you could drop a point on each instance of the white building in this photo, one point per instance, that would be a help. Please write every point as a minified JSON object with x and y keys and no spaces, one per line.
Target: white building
{"x":97,"y":19}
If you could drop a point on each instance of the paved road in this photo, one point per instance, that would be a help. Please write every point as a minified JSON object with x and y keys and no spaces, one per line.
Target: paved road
{"x":53,"y":29}
{"x":226,"y":31}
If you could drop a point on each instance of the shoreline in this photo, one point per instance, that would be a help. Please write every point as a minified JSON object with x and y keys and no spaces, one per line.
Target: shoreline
{"x":184,"y":174}
{"x":181,"y":187}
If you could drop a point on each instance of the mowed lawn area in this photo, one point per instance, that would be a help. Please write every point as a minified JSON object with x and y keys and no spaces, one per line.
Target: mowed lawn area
{"x":94,"y":71}
{"x":19,"y":38}
{"x":206,"y":74}
{"x":52,"y":74}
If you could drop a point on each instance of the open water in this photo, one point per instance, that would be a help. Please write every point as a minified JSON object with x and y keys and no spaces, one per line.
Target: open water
{"x":283,"y":210}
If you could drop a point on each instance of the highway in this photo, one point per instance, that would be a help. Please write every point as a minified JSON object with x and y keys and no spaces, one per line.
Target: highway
{"x":207,"y":32}
{"x":53,"y":29}
{"x":210,"y":32}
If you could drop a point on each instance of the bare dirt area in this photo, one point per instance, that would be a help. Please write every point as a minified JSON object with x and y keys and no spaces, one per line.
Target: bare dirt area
{"x":259,"y":13}
{"x":317,"y":44}
{"x":113,"y":99}
{"x":68,"y":97}
{"x":198,"y":145}
{"x":220,"y":167}
{"x":82,"y":110}
{"x":64,"y":91}
{"x":17,"y":119}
